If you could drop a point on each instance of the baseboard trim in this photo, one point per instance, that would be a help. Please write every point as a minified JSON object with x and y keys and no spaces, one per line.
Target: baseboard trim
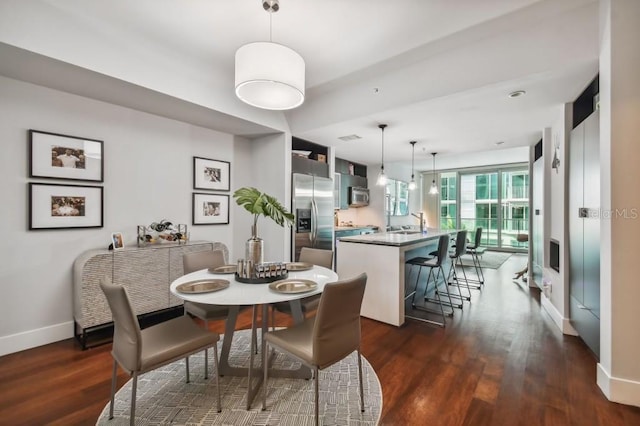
{"x":618,"y":390}
{"x":33,"y":338}
{"x":563,"y":323}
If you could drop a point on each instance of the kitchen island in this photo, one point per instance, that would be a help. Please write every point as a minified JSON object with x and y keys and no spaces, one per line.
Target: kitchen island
{"x":382,"y":256}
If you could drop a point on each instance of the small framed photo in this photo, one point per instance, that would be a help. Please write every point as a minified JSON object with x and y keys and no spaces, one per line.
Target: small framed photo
{"x":210,"y":209}
{"x":53,"y":206}
{"x":117,"y":241}
{"x":211,"y":174}
{"x":65,"y":157}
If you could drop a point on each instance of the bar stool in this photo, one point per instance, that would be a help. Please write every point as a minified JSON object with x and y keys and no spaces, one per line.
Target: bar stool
{"x":432,"y":263}
{"x":476,"y":251}
{"x":456,"y":259}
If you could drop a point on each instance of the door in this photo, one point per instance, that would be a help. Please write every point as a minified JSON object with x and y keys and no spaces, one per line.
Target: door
{"x":323,"y":213}
{"x":302,"y":197}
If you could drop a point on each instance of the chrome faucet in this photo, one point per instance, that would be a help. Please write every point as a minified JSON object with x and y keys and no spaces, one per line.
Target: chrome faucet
{"x":420,"y":216}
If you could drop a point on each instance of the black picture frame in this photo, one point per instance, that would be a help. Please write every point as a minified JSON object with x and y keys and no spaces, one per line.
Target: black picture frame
{"x":55,"y":206}
{"x":210,"y":209}
{"x":58,"y":156}
{"x":210,"y":174}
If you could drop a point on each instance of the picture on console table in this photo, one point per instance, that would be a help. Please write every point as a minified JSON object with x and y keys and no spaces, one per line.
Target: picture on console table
{"x":211,"y":174}
{"x":65,"y":157}
{"x":210,"y":209}
{"x":54,"y":206}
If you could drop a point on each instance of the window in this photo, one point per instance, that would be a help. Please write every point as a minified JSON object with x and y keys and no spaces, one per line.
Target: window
{"x":448,"y":201}
{"x":496,"y":200}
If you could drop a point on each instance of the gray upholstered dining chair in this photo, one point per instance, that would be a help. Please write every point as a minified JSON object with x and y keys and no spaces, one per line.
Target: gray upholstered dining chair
{"x":192,"y":262}
{"x":326,"y":338}
{"x":317,"y":257}
{"x":139,"y":351}
{"x":196,"y":261}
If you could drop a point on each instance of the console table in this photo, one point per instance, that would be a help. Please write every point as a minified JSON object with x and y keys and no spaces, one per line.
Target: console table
{"x":146,"y":272}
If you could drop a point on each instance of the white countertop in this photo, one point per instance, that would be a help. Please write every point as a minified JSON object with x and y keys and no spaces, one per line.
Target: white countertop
{"x":396,"y":238}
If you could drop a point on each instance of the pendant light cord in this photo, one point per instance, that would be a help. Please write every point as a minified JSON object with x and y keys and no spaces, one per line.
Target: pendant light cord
{"x":413,"y":151}
{"x":382,"y":167}
{"x":382,"y":127}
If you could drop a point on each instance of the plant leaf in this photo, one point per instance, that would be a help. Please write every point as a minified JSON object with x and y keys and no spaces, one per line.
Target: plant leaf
{"x":251,"y":199}
{"x":259,"y":203}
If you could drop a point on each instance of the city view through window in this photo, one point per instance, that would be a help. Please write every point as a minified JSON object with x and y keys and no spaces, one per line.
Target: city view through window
{"x":496,"y":200}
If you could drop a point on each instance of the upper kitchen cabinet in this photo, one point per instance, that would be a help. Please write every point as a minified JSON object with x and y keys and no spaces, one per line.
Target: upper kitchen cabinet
{"x":351,"y":175}
{"x":309,"y":158}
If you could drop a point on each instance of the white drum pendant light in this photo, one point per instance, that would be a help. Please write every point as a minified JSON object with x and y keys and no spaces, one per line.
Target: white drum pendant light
{"x":270,"y":75}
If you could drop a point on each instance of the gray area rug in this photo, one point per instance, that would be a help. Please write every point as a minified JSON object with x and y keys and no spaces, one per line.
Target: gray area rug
{"x":490,"y":259}
{"x":164,"y":397}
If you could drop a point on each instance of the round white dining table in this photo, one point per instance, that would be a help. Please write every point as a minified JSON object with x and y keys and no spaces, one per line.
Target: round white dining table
{"x":239,"y":294}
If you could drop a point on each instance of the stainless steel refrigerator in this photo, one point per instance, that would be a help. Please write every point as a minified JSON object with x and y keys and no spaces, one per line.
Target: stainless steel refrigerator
{"x":312,"y":205}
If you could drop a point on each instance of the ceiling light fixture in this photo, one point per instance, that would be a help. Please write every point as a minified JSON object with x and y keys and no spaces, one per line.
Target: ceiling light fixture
{"x":382,"y":178}
{"x":412,"y":183}
{"x":434,"y":188}
{"x":517,"y":93}
{"x":269,"y":75}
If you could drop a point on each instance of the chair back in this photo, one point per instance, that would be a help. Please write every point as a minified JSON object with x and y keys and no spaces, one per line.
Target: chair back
{"x":336,"y":331}
{"x":476,"y":243}
{"x":461,"y":243}
{"x":443,"y":249}
{"x":127,"y":339}
{"x":192,"y":262}
{"x":317,"y":257}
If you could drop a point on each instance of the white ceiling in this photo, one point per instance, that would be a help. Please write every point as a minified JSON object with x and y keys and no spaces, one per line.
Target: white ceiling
{"x":442,"y":68}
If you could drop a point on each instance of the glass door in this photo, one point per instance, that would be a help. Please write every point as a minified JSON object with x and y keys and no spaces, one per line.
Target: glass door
{"x":479,"y":205}
{"x":496,"y":200}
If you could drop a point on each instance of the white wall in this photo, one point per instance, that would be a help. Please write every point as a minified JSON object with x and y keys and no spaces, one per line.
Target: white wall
{"x":271,"y":169}
{"x":148,"y":177}
{"x":556,"y":220}
{"x":619,"y":370}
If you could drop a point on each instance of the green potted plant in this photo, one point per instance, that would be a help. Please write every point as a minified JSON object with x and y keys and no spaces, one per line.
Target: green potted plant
{"x":260,"y":204}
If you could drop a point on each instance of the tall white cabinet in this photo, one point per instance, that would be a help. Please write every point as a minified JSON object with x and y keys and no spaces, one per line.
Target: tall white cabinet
{"x":584,"y":230}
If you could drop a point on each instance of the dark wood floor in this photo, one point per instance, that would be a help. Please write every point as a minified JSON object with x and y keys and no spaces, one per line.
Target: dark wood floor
{"x":500,"y":362}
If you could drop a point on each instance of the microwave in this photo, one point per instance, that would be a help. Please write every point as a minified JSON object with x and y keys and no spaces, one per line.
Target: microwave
{"x":358,"y":196}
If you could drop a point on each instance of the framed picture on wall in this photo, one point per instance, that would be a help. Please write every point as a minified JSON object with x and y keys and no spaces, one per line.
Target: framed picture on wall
{"x":211,"y":174}
{"x":210,"y":209}
{"x":53,"y":206}
{"x":56,"y":156}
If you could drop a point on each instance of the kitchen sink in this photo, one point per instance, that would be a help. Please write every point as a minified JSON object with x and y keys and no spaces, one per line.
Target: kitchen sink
{"x":406,"y":232}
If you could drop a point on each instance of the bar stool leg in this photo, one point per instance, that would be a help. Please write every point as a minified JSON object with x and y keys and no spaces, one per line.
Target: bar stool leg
{"x":466,"y":281}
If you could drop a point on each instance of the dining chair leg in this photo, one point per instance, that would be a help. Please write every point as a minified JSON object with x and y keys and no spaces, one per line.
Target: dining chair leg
{"x":206,"y":364}
{"x":113,"y":387}
{"x":316,"y":380}
{"x":217,"y":374}
{"x":134,"y":387}
{"x":186,"y":362}
{"x":265,"y":360}
{"x":360,"y":378}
